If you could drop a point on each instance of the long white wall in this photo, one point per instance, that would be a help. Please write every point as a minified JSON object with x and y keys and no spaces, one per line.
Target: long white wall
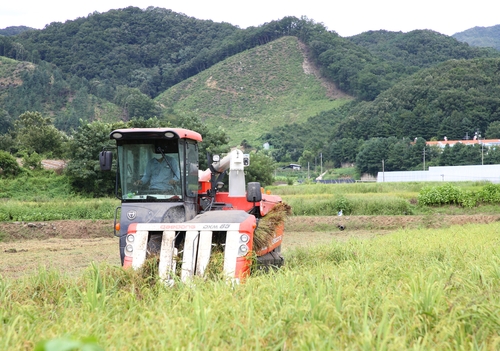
{"x":447,"y":174}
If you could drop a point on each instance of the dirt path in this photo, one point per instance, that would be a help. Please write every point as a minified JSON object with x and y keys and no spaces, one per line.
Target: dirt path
{"x":70,"y":246}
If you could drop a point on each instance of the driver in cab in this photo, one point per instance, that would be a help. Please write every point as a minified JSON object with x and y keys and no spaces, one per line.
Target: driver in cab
{"x":162,"y":173}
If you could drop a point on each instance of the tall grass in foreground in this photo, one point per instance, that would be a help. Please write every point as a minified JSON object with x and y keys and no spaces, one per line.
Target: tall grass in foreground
{"x":418,"y":289}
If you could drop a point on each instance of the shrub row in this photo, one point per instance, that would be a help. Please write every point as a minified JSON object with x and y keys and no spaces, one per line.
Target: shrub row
{"x":449,"y":194}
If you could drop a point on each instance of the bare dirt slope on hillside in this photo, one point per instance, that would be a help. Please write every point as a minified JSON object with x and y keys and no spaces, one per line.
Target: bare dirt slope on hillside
{"x":70,"y":246}
{"x":310,"y":67}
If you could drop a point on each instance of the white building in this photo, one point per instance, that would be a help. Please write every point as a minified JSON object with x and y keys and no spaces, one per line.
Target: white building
{"x":489,"y":173}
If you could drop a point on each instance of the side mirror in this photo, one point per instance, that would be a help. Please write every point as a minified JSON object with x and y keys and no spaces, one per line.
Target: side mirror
{"x":106,"y":160}
{"x":254,"y":193}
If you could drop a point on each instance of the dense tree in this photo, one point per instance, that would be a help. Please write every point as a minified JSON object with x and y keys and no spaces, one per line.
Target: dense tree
{"x":8,"y":165}
{"x":35,"y":133}
{"x":491,"y":155}
{"x":343,"y":151}
{"x":141,"y":105}
{"x":307,"y":158}
{"x":261,"y":169}
{"x":371,"y":156}
{"x":493,"y":130}
{"x":43,"y":89}
{"x":399,"y":155}
{"x":155,"y":48}
{"x":447,"y":158}
{"x":83,"y":167}
{"x":7,"y":143}
{"x":5,"y":121}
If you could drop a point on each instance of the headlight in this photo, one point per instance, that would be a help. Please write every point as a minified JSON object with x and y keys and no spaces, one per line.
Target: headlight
{"x":130,"y":238}
{"x":129,"y":248}
{"x":243,"y":250}
{"x":244,"y":238}
{"x":117,"y":135}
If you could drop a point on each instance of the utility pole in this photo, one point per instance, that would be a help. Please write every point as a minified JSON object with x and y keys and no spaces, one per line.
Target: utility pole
{"x":424,"y":157}
{"x":321,"y":158}
{"x":383,"y":171}
{"x":482,"y":153}
{"x":478,"y":136}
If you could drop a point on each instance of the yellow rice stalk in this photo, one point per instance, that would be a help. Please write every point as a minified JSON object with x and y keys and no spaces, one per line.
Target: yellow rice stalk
{"x":216,"y":263}
{"x":267,"y":225}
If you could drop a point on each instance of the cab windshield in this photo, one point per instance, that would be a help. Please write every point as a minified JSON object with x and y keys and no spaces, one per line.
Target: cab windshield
{"x":150,"y":171}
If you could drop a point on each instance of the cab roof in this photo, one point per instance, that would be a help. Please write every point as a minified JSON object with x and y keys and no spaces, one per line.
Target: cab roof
{"x":154,"y":133}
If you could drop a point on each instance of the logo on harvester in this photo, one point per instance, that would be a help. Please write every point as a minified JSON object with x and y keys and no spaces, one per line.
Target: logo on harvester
{"x":131,"y":214}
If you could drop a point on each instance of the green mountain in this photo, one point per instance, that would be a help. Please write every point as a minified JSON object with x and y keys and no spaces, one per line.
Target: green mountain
{"x":481,"y":36}
{"x":150,"y":49}
{"x":250,"y":93}
{"x":290,"y":82}
{"x":451,"y":99}
{"x":417,"y":49}
{"x":454,"y":99}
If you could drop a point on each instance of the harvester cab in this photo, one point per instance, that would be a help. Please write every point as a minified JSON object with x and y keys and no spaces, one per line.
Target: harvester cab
{"x":175,"y":213}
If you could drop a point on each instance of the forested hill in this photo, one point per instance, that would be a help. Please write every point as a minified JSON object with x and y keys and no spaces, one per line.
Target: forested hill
{"x":139,"y":63}
{"x":454,"y":99}
{"x":417,"y":49}
{"x":150,"y":49}
{"x":450,"y":99}
{"x":249,"y":93}
{"x":481,"y":36}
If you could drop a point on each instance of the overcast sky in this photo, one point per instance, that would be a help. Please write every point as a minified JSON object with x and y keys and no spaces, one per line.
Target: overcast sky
{"x":346,"y":17}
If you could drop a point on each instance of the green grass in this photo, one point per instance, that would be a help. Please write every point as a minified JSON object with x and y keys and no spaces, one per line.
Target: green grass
{"x":379,"y":199}
{"x":49,"y":197}
{"x":57,"y":209}
{"x":360,"y":204}
{"x":353,"y":188}
{"x":46,"y":196}
{"x":36,"y":186}
{"x":414,"y":289}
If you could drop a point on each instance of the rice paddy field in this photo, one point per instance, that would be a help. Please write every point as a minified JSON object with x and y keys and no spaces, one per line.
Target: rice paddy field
{"x":423,"y":286}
